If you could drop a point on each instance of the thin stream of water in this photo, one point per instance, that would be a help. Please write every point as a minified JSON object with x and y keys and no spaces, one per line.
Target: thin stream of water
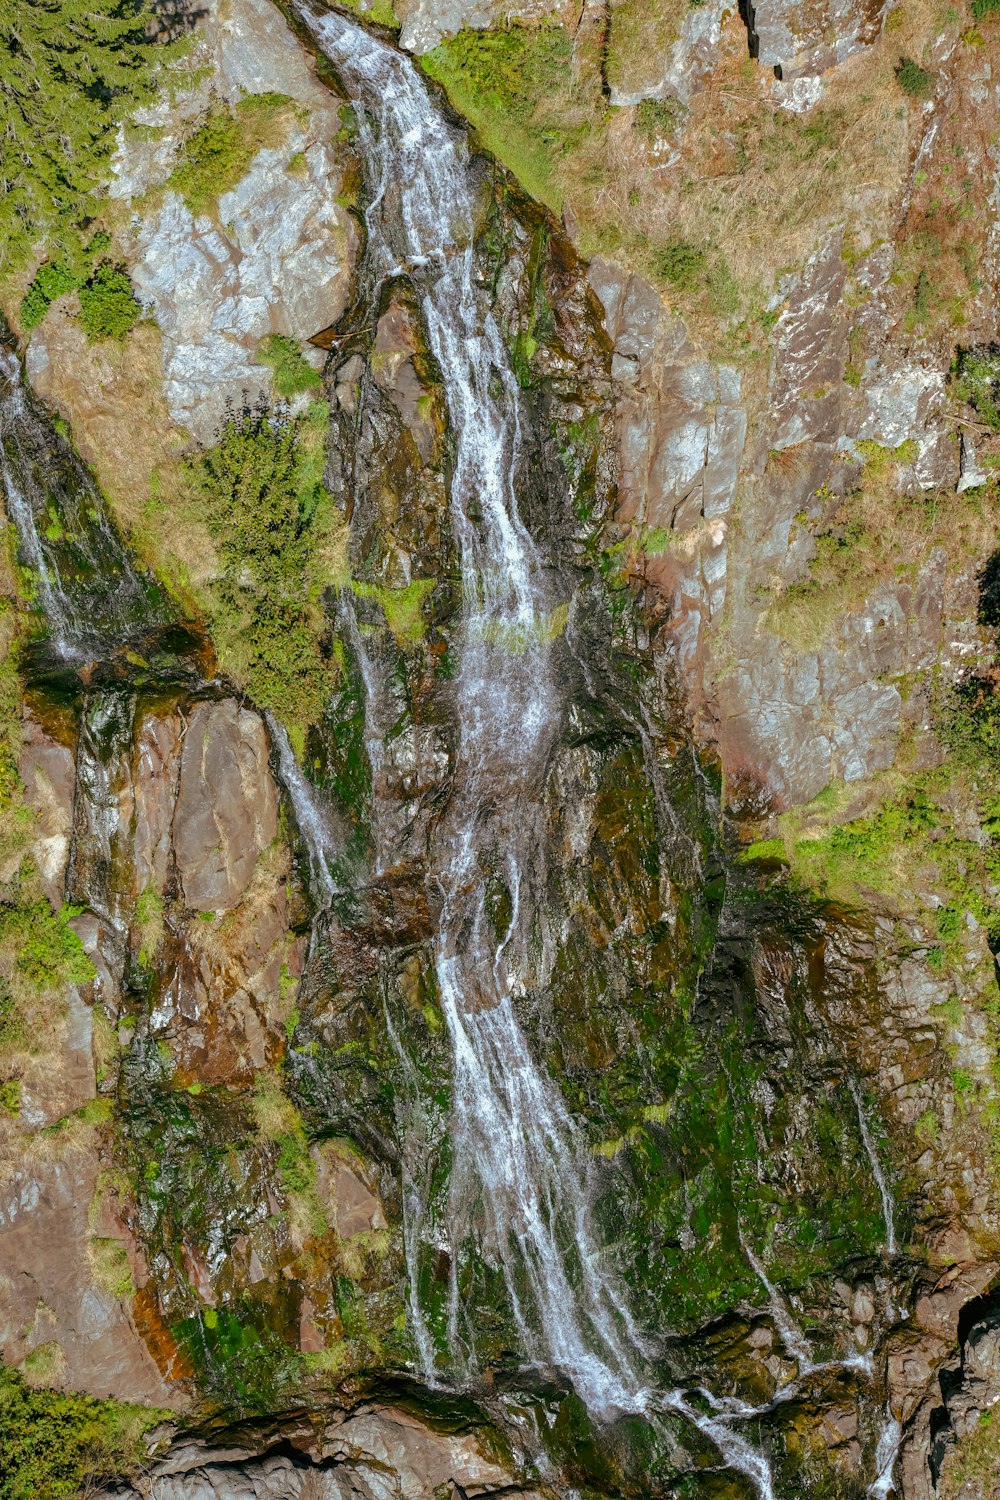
{"x":878,"y":1172}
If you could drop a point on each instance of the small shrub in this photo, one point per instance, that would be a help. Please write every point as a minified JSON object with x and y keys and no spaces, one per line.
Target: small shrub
{"x":54,"y":1443}
{"x":292,"y":374}
{"x":655,"y":119}
{"x":108,"y":308}
{"x":981,"y":9}
{"x":52,"y":280}
{"x":913,"y":79}
{"x":219,"y":153}
{"x":46,"y":951}
{"x":681,"y":264}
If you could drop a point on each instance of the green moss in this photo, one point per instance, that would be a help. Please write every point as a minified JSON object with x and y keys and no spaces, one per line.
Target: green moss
{"x":292,"y":374}
{"x":402,"y":607}
{"x":243,"y":1364}
{"x":55,"y":1444}
{"x":217,"y":156}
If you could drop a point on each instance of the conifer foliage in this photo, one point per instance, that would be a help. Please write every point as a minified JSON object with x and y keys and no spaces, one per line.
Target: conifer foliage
{"x":70,"y":71}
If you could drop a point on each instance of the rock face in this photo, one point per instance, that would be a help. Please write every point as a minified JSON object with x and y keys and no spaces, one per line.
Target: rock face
{"x":763,"y":863}
{"x":379,"y":1454}
{"x":227,"y":812}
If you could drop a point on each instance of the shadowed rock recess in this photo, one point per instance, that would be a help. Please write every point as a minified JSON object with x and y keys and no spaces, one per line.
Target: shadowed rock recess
{"x":500,"y":756}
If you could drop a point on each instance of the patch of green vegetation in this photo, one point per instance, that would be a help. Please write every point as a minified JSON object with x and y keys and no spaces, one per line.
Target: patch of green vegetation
{"x":243,"y":1364}
{"x":71,"y":71}
{"x":977,"y":381}
{"x":45,"y":951}
{"x":402,"y":607}
{"x":108,"y":307}
{"x":681,"y":264}
{"x":381,"y":12}
{"x":510,"y":83}
{"x":218,"y":154}
{"x":109,"y":1267}
{"x":149,"y":925}
{"x":913,"y":79}
{"x":293,"y":375}
{"x":54,"y":279}
{"x":273,"y":523}
{"x":982,"y":9}
{"x":56,"y":1444}
{"x":656,"y":119}
{"x":10,"y":1097}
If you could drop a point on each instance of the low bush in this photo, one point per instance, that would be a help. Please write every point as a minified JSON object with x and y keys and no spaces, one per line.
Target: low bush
{"x":55,"y":1443}
{"x":913,"y":79}
{"x":293,"y":376}
{"x":108,"y":308}
{"x":218,"y":154}
{"x":681,"y":264}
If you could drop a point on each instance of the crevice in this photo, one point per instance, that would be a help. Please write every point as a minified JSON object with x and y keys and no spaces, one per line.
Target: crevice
{"x":748,"y":15}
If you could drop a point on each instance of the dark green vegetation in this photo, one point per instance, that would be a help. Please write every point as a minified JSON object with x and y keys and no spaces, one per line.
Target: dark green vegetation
{"x":218,"y":154}
{"x":70,"y":73}
{"x":914,"y":80}
{"x":272,"y":521}
{"x":53,"y":1444}
{"x":108,"y":308}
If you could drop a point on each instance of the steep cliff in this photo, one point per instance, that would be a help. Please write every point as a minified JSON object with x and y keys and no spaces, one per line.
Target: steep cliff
{"x":498,"y":809}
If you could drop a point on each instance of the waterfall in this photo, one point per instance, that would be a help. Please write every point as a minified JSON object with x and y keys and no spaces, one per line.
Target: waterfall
{"x":886,"y":1453}
{"x":58,"y":609}
{"x":95,"y":599}
{"x":881,"y":1181}
{"x":313,"y":823}
{"x":793,"y":1337}
{"x":517,"y":1153}
{"x":378,"y":722}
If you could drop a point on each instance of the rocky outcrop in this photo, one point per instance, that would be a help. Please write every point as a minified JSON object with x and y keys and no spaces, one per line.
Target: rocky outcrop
{"x":227,"y":809}
{"x":379,"y":1453}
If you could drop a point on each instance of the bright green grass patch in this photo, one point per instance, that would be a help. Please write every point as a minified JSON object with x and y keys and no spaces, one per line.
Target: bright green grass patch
{"x":220,"y":151}
{"x":511,"y":84}
{"x":379,"y":11}
{"x":293,"y":375}
{"x":403,"y":608}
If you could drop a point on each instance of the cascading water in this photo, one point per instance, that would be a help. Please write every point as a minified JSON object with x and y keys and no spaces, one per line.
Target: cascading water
{"x":515,"y":1149}
{"x":313,"y":821}
{"x":878,"y":1172}
{"x":95,"y":599}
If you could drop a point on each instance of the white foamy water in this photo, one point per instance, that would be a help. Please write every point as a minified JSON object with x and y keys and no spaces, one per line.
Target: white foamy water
{"x":878,"y":1171}
{"x":55,"y":601}
{"x":519,"y":1173}
{"x":313,"y":822}
{"x":885,"y":1459}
